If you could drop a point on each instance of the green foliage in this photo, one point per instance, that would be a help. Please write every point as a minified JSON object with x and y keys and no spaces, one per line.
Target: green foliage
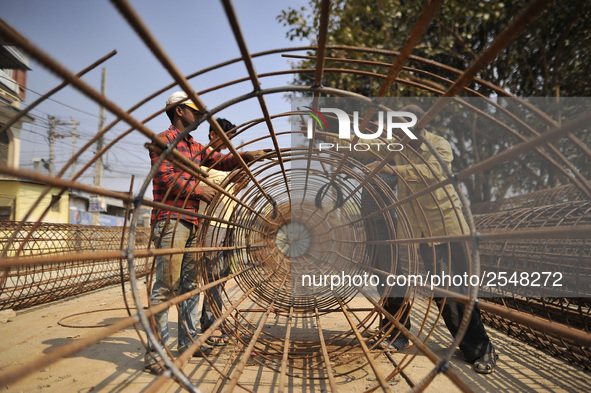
{"x":550,"y":57}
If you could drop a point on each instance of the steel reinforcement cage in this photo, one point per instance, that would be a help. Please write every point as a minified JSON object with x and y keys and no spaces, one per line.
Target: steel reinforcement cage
{"x":275,"y":195}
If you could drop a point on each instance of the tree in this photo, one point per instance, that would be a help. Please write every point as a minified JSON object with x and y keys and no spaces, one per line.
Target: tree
{"x":548,"y":58}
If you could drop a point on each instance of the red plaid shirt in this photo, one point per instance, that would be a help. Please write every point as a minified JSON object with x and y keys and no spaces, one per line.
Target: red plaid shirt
{"x":184,"y":187}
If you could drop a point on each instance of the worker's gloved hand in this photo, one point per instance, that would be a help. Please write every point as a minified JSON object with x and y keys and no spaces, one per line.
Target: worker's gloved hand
{"x":386,"y":169}
{"x":250,"y":156}
{"x":207,"y":192}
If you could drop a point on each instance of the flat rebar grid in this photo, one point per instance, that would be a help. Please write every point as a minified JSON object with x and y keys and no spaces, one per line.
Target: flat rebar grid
{"x":298,"y":211}
{"x":28,"y":285}
{"x":550,"y":208}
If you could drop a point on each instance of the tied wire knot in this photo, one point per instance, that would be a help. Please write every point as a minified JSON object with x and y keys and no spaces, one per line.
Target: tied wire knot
{"x":443,"y":367}
{"x":137,"y":201}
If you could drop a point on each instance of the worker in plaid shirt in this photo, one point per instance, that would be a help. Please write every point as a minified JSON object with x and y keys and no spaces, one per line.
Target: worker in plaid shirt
{"x":178,"y":273}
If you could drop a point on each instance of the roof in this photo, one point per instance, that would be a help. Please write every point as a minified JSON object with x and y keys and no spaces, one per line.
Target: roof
{"x":13,"y":58}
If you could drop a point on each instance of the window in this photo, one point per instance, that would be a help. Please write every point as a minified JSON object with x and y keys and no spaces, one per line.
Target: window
{"x":55,"y":203}
{"x":5,"y":213}
{"x":3,"y":147}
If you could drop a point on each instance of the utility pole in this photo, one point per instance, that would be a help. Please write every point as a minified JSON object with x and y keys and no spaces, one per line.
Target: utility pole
{"x":74,"y":124}
{"x":52,"y":123}
{"x":98,"y":165}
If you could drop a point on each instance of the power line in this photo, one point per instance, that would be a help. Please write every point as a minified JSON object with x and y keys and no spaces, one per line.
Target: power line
{"x":50,"y":99}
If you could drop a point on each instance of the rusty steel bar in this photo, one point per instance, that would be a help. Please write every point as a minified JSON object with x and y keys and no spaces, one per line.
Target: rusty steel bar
{"x":264,"y":268}
{"x":222,"y":378}
{"x":93,"y":256}
{"x":322,"y":39}
{"x":61,"y":71}
{"x":419,"y":29}
{"x":562,"y":207}
{"x":128,"y":207}
{"x":240,"y":366}
{"x":51,"y":92}
{"x":156,"y":149}
{"x":579,"y":232}
{"x":380,"y":378}
{"x":135,"y":21}
{"x":285,"y":357}
{"x":555,"y":309}
{"x":580,"y":122}
{"x":12,"y":375}
{"x":124,"y":197}
{"x":550,"y":196}
{"x":508,"y":34}
{"x":331,"y":381}
{"x":556,"y":329}
{"x":448,"y":371}
{"x":319,"y":68}
{"x":581,"y":338}
{"x":246,"y":57}
{"x":51,"y":278}
{"x":186,"y":355}
{"x":93,"y":94}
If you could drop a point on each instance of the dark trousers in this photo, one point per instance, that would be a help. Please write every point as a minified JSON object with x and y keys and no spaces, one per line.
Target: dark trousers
{"x":476,"y":341}
{"x":217,"y":267}
{"x":382,"y":257}
{"x":213,"y":274}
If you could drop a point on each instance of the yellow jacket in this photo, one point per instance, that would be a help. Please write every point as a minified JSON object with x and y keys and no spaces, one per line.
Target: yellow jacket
{"x":437,"y":213}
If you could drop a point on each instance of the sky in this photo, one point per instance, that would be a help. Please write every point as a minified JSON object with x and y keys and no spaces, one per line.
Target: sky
{"x":194,"y":34}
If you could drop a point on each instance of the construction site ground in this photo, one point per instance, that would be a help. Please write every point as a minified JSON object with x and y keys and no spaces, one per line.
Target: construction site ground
{"x":115,"y":364}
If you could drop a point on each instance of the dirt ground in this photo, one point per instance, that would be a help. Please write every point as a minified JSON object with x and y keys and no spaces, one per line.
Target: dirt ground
{"x":115,"y":364}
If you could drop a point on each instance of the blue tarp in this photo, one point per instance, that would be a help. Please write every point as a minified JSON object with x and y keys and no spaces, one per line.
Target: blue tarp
{"x":80,"y":217}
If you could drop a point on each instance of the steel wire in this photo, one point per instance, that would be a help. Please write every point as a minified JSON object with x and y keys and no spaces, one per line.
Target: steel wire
{"x":289,"y":220}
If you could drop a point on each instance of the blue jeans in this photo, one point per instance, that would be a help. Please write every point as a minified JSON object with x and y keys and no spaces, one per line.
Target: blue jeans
{"x":176,"y":274}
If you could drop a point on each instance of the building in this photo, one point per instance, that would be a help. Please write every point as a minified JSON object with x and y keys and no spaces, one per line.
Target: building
{"x":14,"y":65}
{"x":82,"y":205}
{"x":28,"y":200}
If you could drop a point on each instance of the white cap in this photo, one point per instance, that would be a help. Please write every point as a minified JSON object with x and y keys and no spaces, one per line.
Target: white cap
{"x":180,"y":97}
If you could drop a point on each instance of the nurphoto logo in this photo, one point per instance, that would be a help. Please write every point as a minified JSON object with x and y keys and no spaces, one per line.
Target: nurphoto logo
{"x":389,"y":121}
